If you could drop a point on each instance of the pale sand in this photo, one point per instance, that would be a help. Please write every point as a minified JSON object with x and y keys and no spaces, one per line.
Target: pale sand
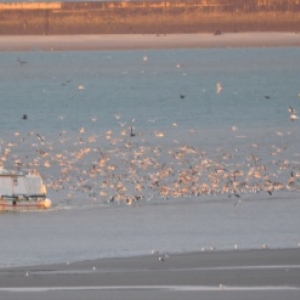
{"x":247,"y":274}
{"x":137,"y":41}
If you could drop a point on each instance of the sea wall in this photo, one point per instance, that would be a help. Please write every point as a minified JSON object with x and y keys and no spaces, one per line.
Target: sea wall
{"x":156,"y":17}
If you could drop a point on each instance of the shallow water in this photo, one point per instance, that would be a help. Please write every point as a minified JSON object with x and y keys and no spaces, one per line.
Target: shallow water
{"x":83,"y":234}
{"x":122,"y":89}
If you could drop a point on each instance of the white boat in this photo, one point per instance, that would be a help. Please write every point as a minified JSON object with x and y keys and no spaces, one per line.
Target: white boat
{"x":20,"y":191}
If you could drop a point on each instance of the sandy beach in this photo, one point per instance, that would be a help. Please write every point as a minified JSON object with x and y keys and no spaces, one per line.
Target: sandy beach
{"x":136,"y":41}
{"x":268,"y":274}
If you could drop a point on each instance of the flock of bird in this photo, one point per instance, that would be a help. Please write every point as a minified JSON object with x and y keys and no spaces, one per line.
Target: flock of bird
{"x":128,"y":166}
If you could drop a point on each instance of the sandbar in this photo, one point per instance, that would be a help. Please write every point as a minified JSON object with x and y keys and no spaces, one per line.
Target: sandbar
{"x":262,"y":273}
{"x":147,"y":41}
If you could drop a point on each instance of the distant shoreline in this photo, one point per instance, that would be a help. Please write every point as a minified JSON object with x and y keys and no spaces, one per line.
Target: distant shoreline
{"x":147,"y":41}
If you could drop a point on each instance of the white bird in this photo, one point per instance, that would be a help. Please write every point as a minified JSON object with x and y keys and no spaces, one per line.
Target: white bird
{"x":219,"y":87}
{"x":154,"y":251}
{"x":234,"y":128}
{"x":293,"y":117}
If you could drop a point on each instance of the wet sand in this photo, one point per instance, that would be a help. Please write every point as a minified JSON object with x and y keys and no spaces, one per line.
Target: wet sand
{"x":265,"y":273}
{"x":137,"y":41}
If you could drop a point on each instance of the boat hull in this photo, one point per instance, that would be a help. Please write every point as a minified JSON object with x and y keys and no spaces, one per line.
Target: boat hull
{"x":24,"y":205}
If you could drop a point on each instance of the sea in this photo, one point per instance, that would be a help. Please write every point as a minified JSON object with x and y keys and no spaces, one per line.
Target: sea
{"x":113,"y":132}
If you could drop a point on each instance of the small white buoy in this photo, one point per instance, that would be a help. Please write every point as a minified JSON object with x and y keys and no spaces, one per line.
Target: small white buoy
{"x":81,"y":87}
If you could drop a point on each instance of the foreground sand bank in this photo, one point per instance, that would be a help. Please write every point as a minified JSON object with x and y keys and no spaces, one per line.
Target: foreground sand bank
{"x":136,"y":41}
{"x":274,"y":273}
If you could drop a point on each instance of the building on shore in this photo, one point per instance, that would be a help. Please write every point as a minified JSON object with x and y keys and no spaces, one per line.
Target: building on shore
{"x":153,"y":16}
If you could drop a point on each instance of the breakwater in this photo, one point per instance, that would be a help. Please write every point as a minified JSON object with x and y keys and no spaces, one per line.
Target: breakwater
{"x":155,"y":17}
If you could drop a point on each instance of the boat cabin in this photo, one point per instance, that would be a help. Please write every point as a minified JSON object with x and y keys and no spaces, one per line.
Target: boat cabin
{"x":22,"y":189}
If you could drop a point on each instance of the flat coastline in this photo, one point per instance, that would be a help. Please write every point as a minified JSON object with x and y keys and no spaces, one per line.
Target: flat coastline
{"x":272,"y":273}
{"x":147,"y":41}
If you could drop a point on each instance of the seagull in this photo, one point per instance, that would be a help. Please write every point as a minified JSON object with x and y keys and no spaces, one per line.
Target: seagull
{"x":234,"y":128}
{"x":293,"y":117}
{"x":219,"y":88}
{"x":292,"y":110}
{"x":293,"y":113}
{"x":37,"y":135}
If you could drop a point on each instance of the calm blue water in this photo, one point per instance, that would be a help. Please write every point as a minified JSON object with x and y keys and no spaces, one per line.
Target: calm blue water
{"x":122,"y":89}
{"x":122,"y":83}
